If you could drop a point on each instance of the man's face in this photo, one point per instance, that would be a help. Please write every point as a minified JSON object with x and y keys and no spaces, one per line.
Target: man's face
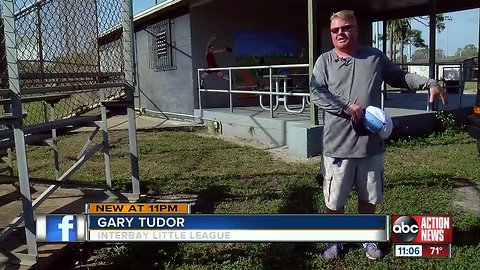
{"x":344,"y":33}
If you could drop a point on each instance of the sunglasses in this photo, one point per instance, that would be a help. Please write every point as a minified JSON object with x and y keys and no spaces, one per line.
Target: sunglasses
{"x":345,"y":28}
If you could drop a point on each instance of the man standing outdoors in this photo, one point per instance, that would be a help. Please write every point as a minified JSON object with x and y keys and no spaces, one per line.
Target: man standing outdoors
{"x":346,"y":80}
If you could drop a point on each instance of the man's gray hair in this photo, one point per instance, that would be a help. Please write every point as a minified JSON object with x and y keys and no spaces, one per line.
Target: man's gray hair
{"x":345,"y":15}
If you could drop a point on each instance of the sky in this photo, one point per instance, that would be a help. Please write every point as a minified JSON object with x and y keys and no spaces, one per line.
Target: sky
{"x":463,"y":29}
{"x":141,"y":5}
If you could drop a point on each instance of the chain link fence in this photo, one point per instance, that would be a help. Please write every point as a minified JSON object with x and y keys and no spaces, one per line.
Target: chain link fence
{"x":69,"y":47}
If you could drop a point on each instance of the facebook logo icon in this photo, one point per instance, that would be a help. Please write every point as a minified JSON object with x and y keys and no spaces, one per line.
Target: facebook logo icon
{"x":60,"y":228}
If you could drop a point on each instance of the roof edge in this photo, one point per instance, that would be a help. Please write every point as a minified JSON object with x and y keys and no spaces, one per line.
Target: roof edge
{"x":154,"y":9}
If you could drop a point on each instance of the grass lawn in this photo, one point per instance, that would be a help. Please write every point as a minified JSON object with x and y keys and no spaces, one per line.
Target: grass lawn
{"x":421,"y":178}
{"x":471,"y":87}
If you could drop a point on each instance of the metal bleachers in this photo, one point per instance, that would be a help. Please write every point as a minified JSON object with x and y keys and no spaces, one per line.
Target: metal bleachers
{"x":60,"y":60}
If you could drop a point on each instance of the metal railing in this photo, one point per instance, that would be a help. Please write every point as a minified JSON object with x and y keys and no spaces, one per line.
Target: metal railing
{"x":455,"y":81}
{"x":272,"y":91}
{"x":278,"y":91}
{"x":454,"y":84}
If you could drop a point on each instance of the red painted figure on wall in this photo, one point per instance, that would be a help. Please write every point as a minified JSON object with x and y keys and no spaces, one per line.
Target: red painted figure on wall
{"x":210,"y":52}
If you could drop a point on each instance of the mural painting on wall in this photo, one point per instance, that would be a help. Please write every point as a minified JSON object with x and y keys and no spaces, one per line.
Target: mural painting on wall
{"x":256,"y":48}
{"x":210,"y":52}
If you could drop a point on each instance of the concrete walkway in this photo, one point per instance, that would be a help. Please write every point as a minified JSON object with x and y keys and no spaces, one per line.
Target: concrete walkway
{"x":145,"y":122}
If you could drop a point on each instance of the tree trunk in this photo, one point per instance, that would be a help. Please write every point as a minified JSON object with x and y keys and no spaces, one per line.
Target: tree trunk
{"x":390,"y":25}
{"x":401,"y":50}
{"x":394,"y":51}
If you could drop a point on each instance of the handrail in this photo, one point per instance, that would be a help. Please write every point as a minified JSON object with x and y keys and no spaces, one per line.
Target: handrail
{"x":272,"y":88}
{"x":440,"y":68}
{"x":270,"y":91}
{"x":255,"y":92}
{"x":254,"y":67}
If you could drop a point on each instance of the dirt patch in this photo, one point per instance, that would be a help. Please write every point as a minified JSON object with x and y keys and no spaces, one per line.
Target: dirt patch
{"x":281,"y":153}
{"x":278,"y":153}
{"x":467,"y":195}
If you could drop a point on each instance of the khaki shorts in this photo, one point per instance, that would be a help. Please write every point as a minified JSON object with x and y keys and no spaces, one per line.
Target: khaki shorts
{"x":367,"y":174}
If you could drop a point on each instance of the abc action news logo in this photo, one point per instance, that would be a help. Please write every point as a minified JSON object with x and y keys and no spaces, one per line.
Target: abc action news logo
{"x":422,"y":229}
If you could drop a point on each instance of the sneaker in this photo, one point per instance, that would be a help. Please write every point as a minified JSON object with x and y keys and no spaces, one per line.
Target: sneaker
{"x":201,"y":83}
{"x":225,"y":77}
{"x":332,"y":251}
{"x":372,"y":251}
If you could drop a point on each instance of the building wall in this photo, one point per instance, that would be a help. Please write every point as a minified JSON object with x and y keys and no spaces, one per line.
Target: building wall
{"x":169,"y":90}
{"x":225,"y":19}
{"x":176,"y":90}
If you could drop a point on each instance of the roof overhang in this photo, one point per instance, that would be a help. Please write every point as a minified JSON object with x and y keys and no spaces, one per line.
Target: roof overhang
{"x":370,"y":10}
{"x":163,"y":8}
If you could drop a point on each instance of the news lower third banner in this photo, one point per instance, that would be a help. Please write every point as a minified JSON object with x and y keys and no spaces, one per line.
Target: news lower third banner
{"x":236,"y":228}
{"x":165,"y":223}
{"x":425,"y":229}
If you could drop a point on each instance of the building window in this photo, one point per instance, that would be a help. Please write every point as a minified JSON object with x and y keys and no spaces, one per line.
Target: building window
{"x":161,"y":46}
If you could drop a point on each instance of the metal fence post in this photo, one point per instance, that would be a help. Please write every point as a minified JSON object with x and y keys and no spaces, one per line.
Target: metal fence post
{"x":271,"y":96}
{"x":230,"y":89}
{"x":199,"y":94}
{"x":21,"y":155}
{"x":129,"y":88}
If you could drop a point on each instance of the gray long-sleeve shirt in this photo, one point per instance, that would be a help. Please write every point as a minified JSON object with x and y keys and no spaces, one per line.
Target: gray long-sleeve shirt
{"x":338,"y":82}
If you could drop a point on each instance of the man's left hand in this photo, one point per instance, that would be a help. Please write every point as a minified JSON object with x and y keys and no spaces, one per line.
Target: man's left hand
{"x":438,"y":91}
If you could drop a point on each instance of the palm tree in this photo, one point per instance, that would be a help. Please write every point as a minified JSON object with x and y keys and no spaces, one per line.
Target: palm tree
{"x":397,"y":32}
{"x":400,"y":32}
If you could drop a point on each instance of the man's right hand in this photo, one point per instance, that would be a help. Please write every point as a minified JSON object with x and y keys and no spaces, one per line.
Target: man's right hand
{"x":355,"y":111}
